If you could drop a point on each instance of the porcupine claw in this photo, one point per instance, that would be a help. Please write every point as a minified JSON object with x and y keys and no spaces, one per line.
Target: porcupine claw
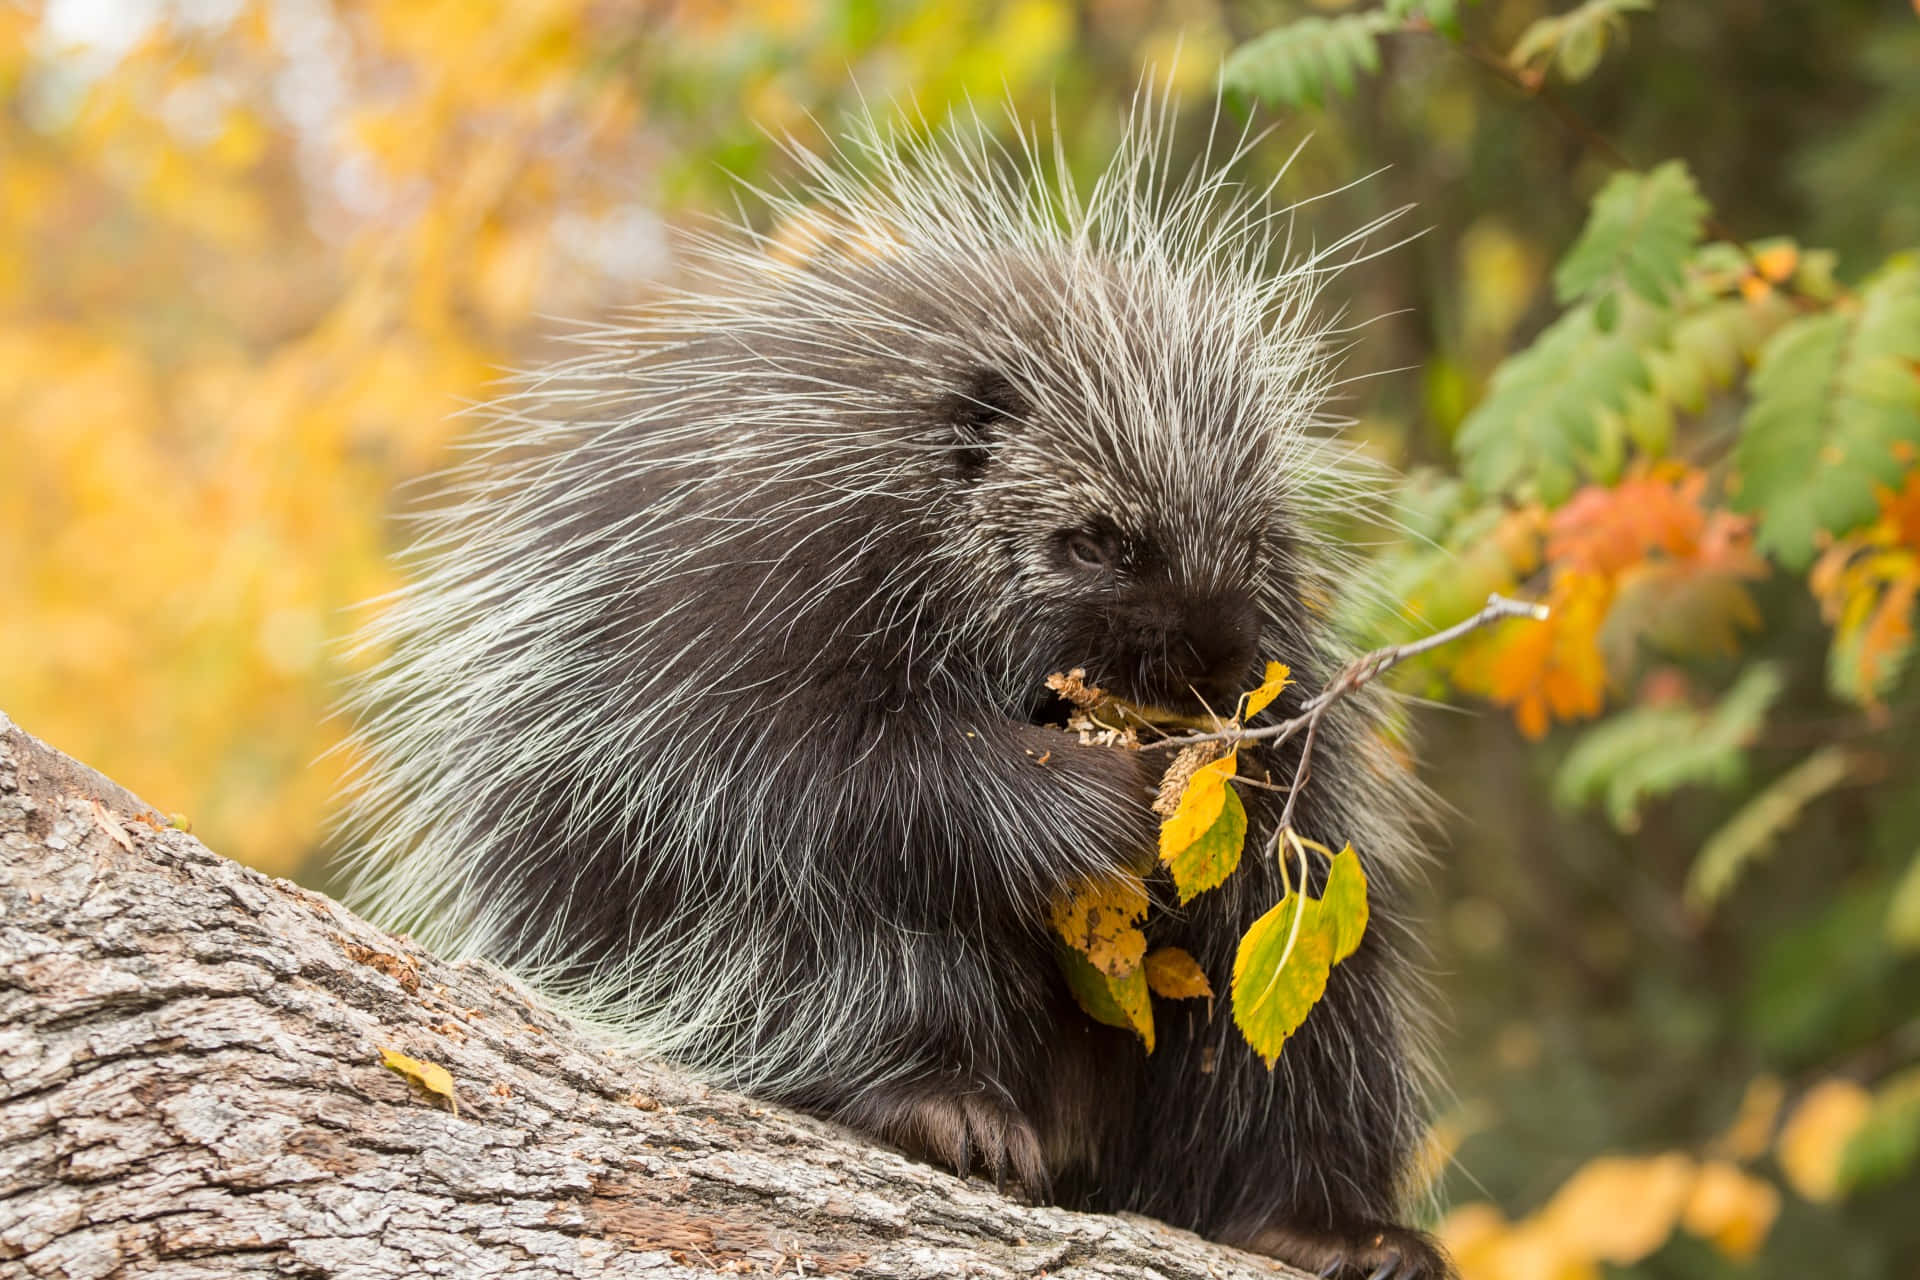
{"x":948,"y":1122}
{"x":1367,"y":1252}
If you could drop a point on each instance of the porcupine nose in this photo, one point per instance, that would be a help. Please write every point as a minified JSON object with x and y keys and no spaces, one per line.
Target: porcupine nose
{"x":1219,"y":635}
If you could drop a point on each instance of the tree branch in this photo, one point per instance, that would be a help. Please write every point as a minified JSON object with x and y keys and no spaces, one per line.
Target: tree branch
{"x":191,"y":1086}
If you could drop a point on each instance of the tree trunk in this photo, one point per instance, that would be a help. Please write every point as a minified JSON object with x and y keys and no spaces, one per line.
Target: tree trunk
{"x":191,"y":1085}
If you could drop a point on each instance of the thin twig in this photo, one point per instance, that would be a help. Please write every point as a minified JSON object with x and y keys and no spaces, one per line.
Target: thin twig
{"x":1358,"y":673}
{"x":1301,"y":772}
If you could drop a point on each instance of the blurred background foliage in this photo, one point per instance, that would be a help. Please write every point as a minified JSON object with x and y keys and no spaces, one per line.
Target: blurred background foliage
{"x":255,"y":256}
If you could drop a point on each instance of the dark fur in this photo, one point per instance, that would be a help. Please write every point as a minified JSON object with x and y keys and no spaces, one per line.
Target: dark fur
{"x":886,"y":750}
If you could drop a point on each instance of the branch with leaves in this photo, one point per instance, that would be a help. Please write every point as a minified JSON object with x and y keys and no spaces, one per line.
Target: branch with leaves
{"x":1282,"y":966}
{"x":1704,"y":420}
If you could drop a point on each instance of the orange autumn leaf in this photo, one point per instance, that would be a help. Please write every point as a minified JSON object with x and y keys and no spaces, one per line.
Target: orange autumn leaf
{"x":1550,"y":670}
{"x":1777,"y":263}
{"x":1605,"y":530}
{"x":1868,"y":585}
{"x":1642,"y":563}
{"x":1175,"y":974}
{"x":1900,"y":512}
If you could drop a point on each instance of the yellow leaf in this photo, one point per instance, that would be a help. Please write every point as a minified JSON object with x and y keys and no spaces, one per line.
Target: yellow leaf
{"x":1211,"y":857}
{"x":1117,"y":1002}
{"x":1280,"y":973}
{"x":1752,"y":1128}
{"x":1817,"y":1132}
{"x":1619,"y":1209}
{"x":1101,"y":921}
{"x":1485,"y":1246}
{"x":428,"y":1077}
{"x":1733,"y":1210}
{"x":1199,"y":807}
{"x":1253,"y":703}
{"x":1176,"y":975}
{"x":1343,"y":903}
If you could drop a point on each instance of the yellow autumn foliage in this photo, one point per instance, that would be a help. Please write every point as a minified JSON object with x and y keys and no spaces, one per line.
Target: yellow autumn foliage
{"x":252,"y":267}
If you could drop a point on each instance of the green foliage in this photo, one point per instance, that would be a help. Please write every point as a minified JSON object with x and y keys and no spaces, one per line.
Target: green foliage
{"x":1887,"y":1145}
{"x":1300,"y":63}
{"x":1635,"y":345}
{"x":1122,"y":1002}
{"x":1543,"y":423}
{"x":1638,"y":237}
{"x":1752,"y":831}
{"x":1576,"y":41}
{"x":1693,"y":425}
{"x":1903,"y":912}
{"x":1651,"y":751}
{"x":1836,"y":397}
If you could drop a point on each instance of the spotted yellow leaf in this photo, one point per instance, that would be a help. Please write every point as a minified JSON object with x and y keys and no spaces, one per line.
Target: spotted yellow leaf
{"x":1101,"y":921}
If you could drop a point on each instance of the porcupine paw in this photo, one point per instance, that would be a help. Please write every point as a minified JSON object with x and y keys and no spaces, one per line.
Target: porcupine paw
{"x":965,"y":1127}
{"x":1376,"y":1252}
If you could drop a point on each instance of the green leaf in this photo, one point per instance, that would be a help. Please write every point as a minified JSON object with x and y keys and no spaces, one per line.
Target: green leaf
{"x":1551,"y":412}
{"x":1442,"y":15}
{"x":1903,"y":913}
{"x":1751,"y":832}
{"x":1122,"y":1002}
{"x":1835,"y":397}
{"x":1276,"y":985}
{"x":1281,"y":968}
{"x":1887,"y":1145}
{"x":1651,"y":751}
{"x":1296,"y":64}
{"x":1712,"y":342}
{"x":1343,"y":903}
{"x":1576,"y":40}
{"x":1638,"y":236}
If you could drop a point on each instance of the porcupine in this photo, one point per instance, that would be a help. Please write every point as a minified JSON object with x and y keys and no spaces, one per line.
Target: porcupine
{"x":716,"y":705}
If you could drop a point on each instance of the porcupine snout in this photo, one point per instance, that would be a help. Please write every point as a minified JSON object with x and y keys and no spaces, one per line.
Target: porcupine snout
{"x":1188,"y":647}
{"x":1219,"y":635}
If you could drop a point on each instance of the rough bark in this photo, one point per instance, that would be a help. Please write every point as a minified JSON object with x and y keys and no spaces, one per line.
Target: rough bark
{"x":191,"y":1086}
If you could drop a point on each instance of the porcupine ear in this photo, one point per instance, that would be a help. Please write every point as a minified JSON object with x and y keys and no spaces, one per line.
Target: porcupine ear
{"x":977,"y":413}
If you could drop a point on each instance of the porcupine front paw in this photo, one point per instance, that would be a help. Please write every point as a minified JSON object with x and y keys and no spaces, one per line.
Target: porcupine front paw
{"x":962,"y":1125}
{"x":1376,"y":1252}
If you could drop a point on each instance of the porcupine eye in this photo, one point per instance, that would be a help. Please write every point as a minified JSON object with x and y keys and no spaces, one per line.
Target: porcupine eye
{"x":1089,"y":551}
{"x":977,"y":413}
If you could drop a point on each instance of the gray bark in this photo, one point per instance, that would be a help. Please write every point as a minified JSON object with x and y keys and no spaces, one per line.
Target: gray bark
{"x":191,"y":1086}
